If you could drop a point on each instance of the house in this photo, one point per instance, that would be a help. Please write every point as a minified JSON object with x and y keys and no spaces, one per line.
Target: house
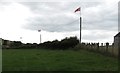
{"x":117,"y":40}
{"x":116,"y":43}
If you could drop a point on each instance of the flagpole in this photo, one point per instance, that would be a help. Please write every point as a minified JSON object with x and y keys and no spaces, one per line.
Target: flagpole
{"x":79,"y":9}
{"x":80,"y":25}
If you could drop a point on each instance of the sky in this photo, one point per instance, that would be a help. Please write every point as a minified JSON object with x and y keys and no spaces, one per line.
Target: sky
{"x":21,"y":20}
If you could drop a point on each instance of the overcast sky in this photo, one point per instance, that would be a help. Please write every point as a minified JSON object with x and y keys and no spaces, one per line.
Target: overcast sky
{"x":57,"y":20}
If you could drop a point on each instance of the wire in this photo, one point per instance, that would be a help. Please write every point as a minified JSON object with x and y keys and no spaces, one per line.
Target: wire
{"x":72,"y":22}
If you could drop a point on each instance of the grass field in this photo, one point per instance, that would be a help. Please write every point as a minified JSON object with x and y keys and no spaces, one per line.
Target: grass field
{"x":56,"y":60}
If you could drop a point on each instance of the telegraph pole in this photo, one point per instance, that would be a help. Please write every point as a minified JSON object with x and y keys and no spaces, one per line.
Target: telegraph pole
{"x":40,"y":35}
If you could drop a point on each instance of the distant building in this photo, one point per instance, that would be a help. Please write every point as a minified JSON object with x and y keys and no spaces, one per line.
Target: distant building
{"x":117,"y":40}
{"x":116,"y":43}
{"x":6,"y":43}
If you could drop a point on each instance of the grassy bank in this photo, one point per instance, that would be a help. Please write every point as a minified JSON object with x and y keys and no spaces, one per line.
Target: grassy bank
{"x":56,"y":60}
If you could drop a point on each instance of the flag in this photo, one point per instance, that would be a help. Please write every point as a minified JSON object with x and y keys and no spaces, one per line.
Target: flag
{"x":78,"y":9}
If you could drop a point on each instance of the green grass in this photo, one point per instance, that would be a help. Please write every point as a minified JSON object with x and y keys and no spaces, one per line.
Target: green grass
{"x":56,"y":60}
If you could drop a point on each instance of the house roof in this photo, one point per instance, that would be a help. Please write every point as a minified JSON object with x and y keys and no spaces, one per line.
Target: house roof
{"x":117,"y":35}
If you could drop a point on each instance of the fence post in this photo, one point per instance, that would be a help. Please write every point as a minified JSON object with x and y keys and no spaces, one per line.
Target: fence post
{"x":112,"y":49}
{"x":97,"y":46}
{"x":107,"y":45}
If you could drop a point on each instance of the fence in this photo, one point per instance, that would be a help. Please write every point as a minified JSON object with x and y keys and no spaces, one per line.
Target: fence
{"x":104,"y":49}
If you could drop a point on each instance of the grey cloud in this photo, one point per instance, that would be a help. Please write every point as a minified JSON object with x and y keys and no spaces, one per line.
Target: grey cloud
{"x":58,"y":6}
{"x":53,"y":24}
{"x":119,"y":16}
{"x":54,"y":17}
{"x":105,"y":19}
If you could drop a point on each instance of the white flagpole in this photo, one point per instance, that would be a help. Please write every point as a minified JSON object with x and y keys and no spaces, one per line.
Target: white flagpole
{"x":80,"y":25}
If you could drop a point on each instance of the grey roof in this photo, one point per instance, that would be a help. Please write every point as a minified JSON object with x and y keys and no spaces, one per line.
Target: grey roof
{"x":117,"y":35}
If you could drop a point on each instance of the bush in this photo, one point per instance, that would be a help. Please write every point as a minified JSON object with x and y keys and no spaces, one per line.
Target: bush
{"x":79,"y":46}
{"x":63,"y":44}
